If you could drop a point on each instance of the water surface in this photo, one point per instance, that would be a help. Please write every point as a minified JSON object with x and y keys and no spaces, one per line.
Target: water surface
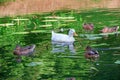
{"x":60,"y":61}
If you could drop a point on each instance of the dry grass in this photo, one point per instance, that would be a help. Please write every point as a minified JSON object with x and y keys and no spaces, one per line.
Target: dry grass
{"x":37,"y":6}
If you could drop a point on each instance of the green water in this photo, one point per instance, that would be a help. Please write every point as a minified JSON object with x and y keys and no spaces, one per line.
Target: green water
{"x":48,"y":65}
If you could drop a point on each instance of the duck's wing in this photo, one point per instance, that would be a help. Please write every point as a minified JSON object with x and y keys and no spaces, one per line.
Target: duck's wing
{"x":60,"y":38}
{"x":95,"y":51}
{"x":27,"y":50}
{"x":28,"y":47}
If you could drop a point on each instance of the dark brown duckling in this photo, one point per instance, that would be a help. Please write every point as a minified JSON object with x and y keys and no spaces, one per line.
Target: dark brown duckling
{"x":110,"y":29}
{"x":91,"y":54}
{"x":88,"y":26}
{"x":24,"y":50}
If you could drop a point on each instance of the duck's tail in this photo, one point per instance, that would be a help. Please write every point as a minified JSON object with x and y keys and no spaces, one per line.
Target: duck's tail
{"x":53,"y":32}
{"x":31,"y":49}
{"x":33,"y":46}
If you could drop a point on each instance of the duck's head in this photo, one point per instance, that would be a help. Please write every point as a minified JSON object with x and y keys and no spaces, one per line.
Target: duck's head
{"x":17,"y":50}
{"x":88,"y":48}
{"x":91,"y":54}
{"x":18,"y":47}
{"x":72,"y":32}
{"x":91,"y":51}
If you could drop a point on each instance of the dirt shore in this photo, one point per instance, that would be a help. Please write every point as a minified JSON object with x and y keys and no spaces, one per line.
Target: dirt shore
{"x":38,"y":6}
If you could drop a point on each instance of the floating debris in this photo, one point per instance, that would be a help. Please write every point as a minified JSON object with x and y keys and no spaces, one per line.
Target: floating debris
{"x":102,"y":34}
{"x":93,"y":68}
{"x":20,"y":19}
{"x":57,"y":17}
{"x":117,"y":62}
{"x":69,"y":20}
{"x":115,"y":48}
{"x":49,"y":20}
{"x":49,"y":25}
{"x":35,"y":31}
{"x":34,"y":64}
{"x":101,"y":44}
{"x":7,"y":24}
{"x":93,"y":38}
{"x":20,"y":33}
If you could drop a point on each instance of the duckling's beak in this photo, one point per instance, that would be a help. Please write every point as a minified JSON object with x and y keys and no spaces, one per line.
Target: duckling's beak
{"x":75,"y":34}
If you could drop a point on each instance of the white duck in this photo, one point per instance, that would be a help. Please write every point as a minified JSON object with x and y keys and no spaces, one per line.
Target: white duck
{"x":58,"y":37}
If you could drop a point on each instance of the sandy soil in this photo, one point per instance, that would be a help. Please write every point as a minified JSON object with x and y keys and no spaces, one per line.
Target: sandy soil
{"x":37,"y":6}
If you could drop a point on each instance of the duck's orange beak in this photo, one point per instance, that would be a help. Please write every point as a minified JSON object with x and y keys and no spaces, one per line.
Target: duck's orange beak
{"x":75,"y":34}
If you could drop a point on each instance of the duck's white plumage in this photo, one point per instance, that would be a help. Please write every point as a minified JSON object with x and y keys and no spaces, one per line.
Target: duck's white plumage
{"x":58,"y":37}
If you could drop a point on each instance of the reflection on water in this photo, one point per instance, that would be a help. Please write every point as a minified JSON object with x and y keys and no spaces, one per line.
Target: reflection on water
{"x":99,"y":36}
{"x":58,"y":47}
{"x":34,"y":64}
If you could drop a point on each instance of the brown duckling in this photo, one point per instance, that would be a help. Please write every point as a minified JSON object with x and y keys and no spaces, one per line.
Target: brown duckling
{"x":88,"y":26}
{"x":91,"y":54}
{"x":28,"y":50}
{"x":110,"y":29}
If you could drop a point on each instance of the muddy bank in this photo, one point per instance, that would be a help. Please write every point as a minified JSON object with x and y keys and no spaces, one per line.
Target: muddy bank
{"x":38,"y":6}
